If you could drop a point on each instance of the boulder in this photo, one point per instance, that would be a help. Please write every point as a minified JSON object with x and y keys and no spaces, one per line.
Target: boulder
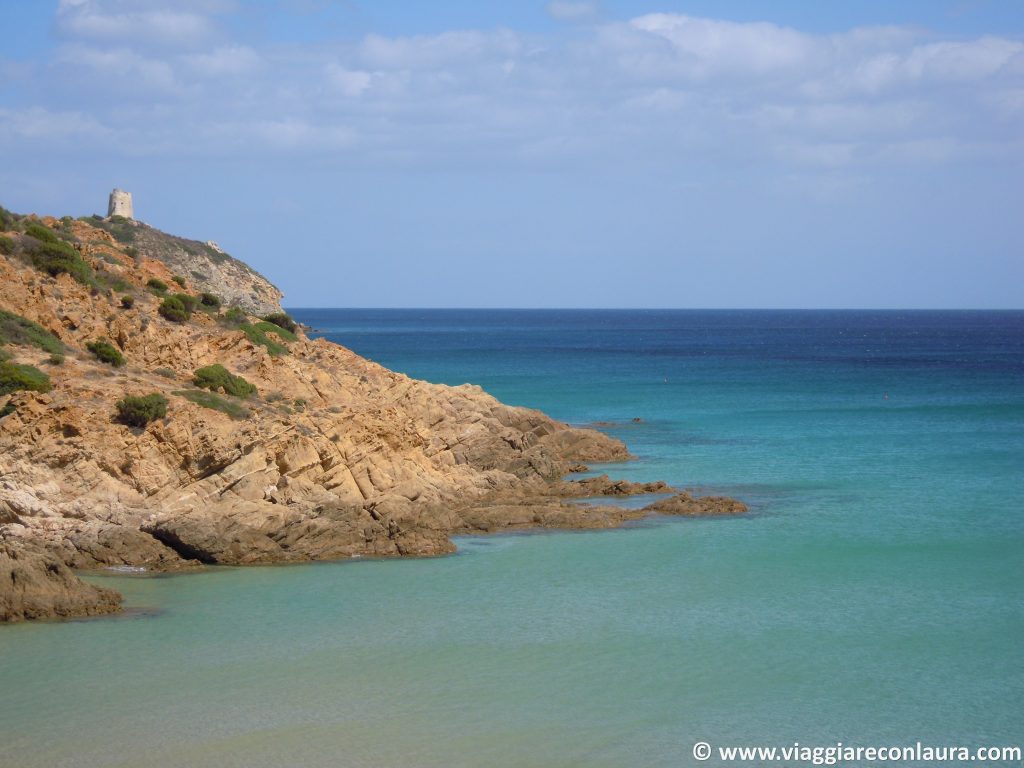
{"x":36,"y":584}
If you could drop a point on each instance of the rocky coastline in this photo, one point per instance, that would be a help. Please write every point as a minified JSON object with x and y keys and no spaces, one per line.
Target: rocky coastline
{"x":329,"y":455}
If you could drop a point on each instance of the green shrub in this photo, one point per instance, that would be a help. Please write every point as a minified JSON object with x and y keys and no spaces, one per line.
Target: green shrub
{"x":214,"y":402}
{"x":167,"y":373}
{"x":132,"y":252}
{"x":257,"y":333}
{"x":282,"y":320}
{"x":234,"y":317}
{"x":210,"y":300}
{"x":138,"y":411}
{"x":172,"y":309}
{"x":188,"y":302}
{"x":217,"y":378}
{"x":157,"y":285}
{"x":283,"y":333}
{"x":6,"y":220}
{"x":120,"y":227}
{"x":41,"y":233}
{"x":56,"y":257}
{"x":6,"y":245}
{"x":15,"y":329}
{"x":7,"y":410}
{"x":15,"y":377}
{"x":65,"y":232}
{"x":127,"y":302}
{"x":179,"y":280}
{"x":106,"y":352}
{"x":56,"y":359}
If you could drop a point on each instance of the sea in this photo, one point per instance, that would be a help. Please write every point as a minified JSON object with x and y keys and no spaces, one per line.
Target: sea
{"x":873,"y":597}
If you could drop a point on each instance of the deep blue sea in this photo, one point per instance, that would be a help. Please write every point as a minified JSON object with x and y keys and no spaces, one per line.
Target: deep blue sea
{"x":874,"y":596}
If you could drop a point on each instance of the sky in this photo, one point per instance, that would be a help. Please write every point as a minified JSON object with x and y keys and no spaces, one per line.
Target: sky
{"x":542,"y":153}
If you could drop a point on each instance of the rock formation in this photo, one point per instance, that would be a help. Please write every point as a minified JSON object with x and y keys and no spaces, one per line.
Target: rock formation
{"x":334,"y":456}
{"x":205,"y":264}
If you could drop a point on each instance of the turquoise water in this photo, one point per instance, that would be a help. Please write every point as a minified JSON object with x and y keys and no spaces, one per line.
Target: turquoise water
{"x":874,"y":596}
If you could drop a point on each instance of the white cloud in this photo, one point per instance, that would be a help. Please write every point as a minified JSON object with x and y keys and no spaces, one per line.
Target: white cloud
{"x":706,"y":47}
{"x":880,"y":69}
{"x":658,"y":88}
{"x":969,"y":60}
{"x":131,"y":23}
{"x":119,"y":69}
{"x":37,"y":124}
{"x":349,"y":82}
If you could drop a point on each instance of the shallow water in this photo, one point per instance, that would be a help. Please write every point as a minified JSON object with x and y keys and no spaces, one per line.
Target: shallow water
{"x":874,"y":596}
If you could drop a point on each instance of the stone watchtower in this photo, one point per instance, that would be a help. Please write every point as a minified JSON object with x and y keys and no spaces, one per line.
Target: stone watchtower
{"x":120,"y":204}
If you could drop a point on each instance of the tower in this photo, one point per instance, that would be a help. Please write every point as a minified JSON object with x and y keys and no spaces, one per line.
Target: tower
{"x":120,"y":204}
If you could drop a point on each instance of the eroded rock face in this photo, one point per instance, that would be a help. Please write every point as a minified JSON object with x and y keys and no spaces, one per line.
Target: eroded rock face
{"x":234,"y":281}
{"x":335,"y":457}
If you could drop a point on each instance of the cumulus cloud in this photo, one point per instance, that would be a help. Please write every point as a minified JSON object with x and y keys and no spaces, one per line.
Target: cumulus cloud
{"x":704,"y":47}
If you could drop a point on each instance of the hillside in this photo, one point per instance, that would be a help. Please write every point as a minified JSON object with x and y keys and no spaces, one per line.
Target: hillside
{"x":149,"y":420}
{"x":204,"y":264}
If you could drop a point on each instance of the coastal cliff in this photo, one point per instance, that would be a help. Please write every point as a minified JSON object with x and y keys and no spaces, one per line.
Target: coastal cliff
{"x":149,"y":420}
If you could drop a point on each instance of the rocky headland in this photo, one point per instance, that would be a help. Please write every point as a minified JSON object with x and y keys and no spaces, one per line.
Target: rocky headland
{"x":151,"y":418}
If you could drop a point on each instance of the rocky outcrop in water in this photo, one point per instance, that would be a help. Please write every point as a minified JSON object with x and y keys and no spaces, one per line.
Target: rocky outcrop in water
{"x":685,"y":505}
{"x":35,"y":584}
{"x":333,"y":456}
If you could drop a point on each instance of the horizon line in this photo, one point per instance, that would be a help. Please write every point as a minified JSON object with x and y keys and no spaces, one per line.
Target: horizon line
{"x":669,"y":309}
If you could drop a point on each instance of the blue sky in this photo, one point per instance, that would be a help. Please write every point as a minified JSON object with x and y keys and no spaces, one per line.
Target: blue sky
{"x":542,"y":154}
